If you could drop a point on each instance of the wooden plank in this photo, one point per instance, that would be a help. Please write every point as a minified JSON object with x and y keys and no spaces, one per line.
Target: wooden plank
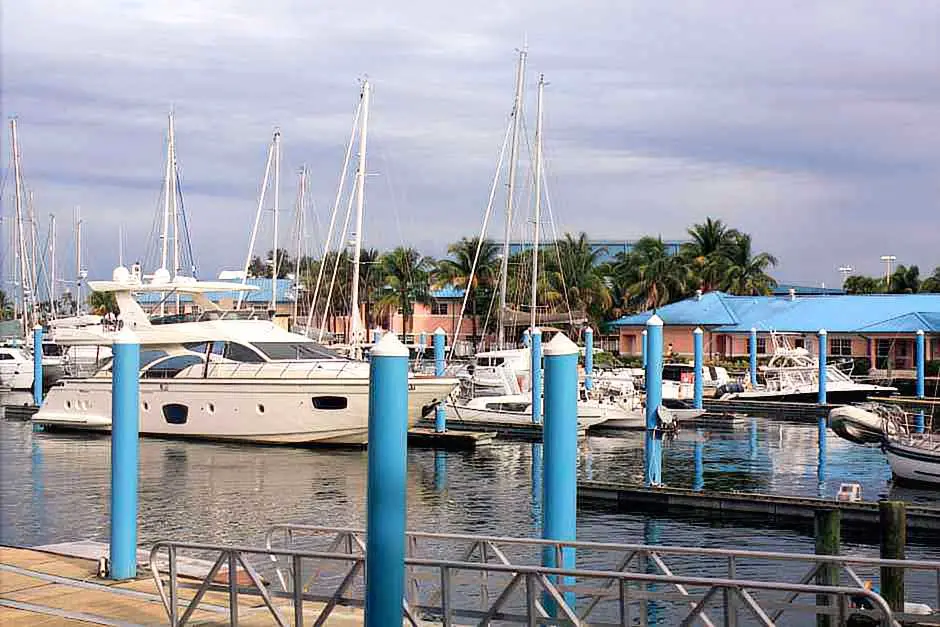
{"x":10,"y":617}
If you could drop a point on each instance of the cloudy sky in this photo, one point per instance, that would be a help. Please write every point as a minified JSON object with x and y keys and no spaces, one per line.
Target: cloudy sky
{"x":813,"y":125}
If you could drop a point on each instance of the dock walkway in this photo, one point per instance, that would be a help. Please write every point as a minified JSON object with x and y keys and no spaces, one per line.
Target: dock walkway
{"x":42,"y":588}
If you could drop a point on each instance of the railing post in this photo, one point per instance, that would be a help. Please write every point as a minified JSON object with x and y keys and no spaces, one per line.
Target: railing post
{"x":560,"y":466}
{"x":828,"y":531}
{"x":823,"y":349}
{"x":893,"y":515}
{"x":125,"y":428}
{"x":588,"y":358}
{"x":654,"y":398}
{"x":699,"y":368}
{"x":37,"y":365}
{"x":535,"y":368}
{"x":440,"y":415}
{"x":919,"y":361}
{"x":386,"y":484}
{"x":752,"y":356}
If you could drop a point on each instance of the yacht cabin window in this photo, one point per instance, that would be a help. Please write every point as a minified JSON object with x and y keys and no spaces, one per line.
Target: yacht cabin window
{"x":287,"y":351}
{"x":171,"y":366}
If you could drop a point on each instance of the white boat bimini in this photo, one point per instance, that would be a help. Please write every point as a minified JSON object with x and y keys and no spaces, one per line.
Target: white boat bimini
{"x":221,"y":375}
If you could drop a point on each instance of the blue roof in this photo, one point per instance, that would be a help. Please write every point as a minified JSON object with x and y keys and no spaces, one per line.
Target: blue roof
{"x":873,"y":313}
{"x":284,"y":288}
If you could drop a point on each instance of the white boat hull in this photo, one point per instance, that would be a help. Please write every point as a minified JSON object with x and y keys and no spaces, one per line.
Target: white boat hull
{"x":262,"y":411}
{"x":914,"y":463}
{"x":590,"y":413}
{"x":857,"y":425}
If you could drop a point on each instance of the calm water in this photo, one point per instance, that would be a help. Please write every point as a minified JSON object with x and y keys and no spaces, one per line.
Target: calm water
{"x":55,"y":488}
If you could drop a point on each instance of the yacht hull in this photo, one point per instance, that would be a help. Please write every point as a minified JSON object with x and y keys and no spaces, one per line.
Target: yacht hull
{"x":271,"y":411}
{"x":913,"y":464}
{"x":833,"y":396}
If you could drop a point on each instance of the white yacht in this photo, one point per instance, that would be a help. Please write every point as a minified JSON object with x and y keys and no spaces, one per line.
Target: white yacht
{"x":16,"y":368}
{"x":225,"y":376}
{"x":793,"y":375}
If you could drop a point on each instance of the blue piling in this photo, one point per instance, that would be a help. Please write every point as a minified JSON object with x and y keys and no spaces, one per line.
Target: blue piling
{"x":440,"y":416}
{"x":386,"y":486}
{"x":37,"y":365}
{"x":698,"y":458}
{"x":125,"y":432}
{"x":560,"y":464}
{"x":643,"y":348}
{"x":588,"y":358}
{"x":653,"y":444}
{"x":535,"y":367}
{"x":823,"y":348}
{"x":699,"y":385}
{"x":919,"y":361}
{"x":752,"y":356}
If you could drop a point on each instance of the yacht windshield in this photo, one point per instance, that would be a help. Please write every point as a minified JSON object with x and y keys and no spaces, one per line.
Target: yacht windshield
{"x":285,"y":351}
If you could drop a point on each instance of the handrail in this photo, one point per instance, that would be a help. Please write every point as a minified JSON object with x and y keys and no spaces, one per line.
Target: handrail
{"x":544,"y":586}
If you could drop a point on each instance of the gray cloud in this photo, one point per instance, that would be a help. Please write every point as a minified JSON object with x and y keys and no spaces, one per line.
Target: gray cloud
{"x":815,"y":126}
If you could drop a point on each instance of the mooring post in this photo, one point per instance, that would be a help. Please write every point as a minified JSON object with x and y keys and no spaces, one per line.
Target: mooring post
{"x":919,"y":352}
{"x":37,"y":365}
{"x":125,"y":428}
{"x":752,"y":356}
{"x":699,"y":368}
{"x":828,"y":531}
{"x":535,"y":368}
{"x":643,"y":347}
{"x":893,"y":516}
{"x":699,"y":460}
{"x":440,"y":415}
{"x":653,"y":454}
{"x":560,"y":463}
{"x":386,"y":485}
{"x":588,"y":358}
{"x":822,"y":351}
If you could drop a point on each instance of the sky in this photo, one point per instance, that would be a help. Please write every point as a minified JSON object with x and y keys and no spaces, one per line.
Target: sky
{"x":814,"y":126}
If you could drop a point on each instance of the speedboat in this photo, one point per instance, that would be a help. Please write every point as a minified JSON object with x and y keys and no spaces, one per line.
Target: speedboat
{"x":792,"y":374}
{"x":226,"y":376}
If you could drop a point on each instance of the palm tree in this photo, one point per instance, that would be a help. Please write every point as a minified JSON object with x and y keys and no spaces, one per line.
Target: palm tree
{"x":650,"y":276}
{"x":370,"y":282}
{"x":932,"y":283}
{"x":102,"y":303}
{"x":460,"y":271}
{"x":905,"y":280}
{"x":6,"y":306}
{"x":747,"y":273}
{"x":406,"y":282}
{"x":571,"y":279}
{"x":708,"y":252}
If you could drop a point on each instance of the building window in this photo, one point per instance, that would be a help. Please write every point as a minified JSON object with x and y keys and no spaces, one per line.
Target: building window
{"x":438,"y":308}
{"x":762,"y":346}
{"x":840,"y":346}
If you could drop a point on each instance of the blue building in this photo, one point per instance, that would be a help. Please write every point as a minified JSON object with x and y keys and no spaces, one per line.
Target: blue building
{"x":881,"y":327}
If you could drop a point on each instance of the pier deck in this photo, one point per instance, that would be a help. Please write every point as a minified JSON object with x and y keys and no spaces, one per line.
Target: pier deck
{"x":41,"y":588}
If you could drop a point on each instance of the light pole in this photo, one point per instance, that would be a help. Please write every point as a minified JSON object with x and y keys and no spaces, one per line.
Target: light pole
{"x":845,"y":271}
{"x":888,"y":260}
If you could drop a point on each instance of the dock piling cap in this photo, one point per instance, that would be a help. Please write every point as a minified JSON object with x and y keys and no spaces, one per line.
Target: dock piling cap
{"x":125,"y":336}
{"x":390,"y":346}
{"x":698,"y":331}
{"x":654,"y":321}
{"x":440,"y":331}
{"x":560,"y":345}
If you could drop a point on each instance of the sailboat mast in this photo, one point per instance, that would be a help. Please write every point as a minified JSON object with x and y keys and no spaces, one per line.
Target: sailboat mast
{"x":20,"y":234}
{"x":78,"y":261}
{"x":52,"y":308}
{"x":355,"y":322}
{"x":167,"y":195}
{"x":301,"y":209}
{"x":277,"y":193}
{"x":538,"y":202}
{"x":174,"y":207}
{"x":510,"y":194}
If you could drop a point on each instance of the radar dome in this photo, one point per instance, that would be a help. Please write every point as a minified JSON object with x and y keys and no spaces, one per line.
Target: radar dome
{"x":161,"y":277}
{"x":120,"y":275}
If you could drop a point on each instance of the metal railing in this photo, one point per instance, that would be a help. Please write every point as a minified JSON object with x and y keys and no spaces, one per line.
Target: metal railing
{"x":530,"y":595}
{"x":664,"y":560}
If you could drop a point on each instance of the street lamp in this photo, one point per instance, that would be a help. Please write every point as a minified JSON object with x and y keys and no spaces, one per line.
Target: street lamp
{"x":888,"y":259}
{"x":845,"y":271}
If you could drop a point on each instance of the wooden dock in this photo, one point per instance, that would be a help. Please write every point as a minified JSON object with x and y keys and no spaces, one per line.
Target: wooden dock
{"x":44,"y":588}
{"x":450,"y":440}
{"x":779,"y":410}
{"x":718,"y":503}
{"x":507,"y":430}
{"x":18,"y":412}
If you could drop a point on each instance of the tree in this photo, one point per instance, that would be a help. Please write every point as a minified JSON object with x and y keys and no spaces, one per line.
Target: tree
{"x":747,"y":273}
{"x":858,"y":284}
{"x":932,"y":283}
{"x":6,"y":306}
{"x":713,"y":242}
{"x":406,"y":282}
{"x":905,"y":280}
{"x":650,"y":276}
{"x":572,"y":280}
{"x":102,"y":303}
{"x":261,"y":268}
{"x":460,"y":271}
